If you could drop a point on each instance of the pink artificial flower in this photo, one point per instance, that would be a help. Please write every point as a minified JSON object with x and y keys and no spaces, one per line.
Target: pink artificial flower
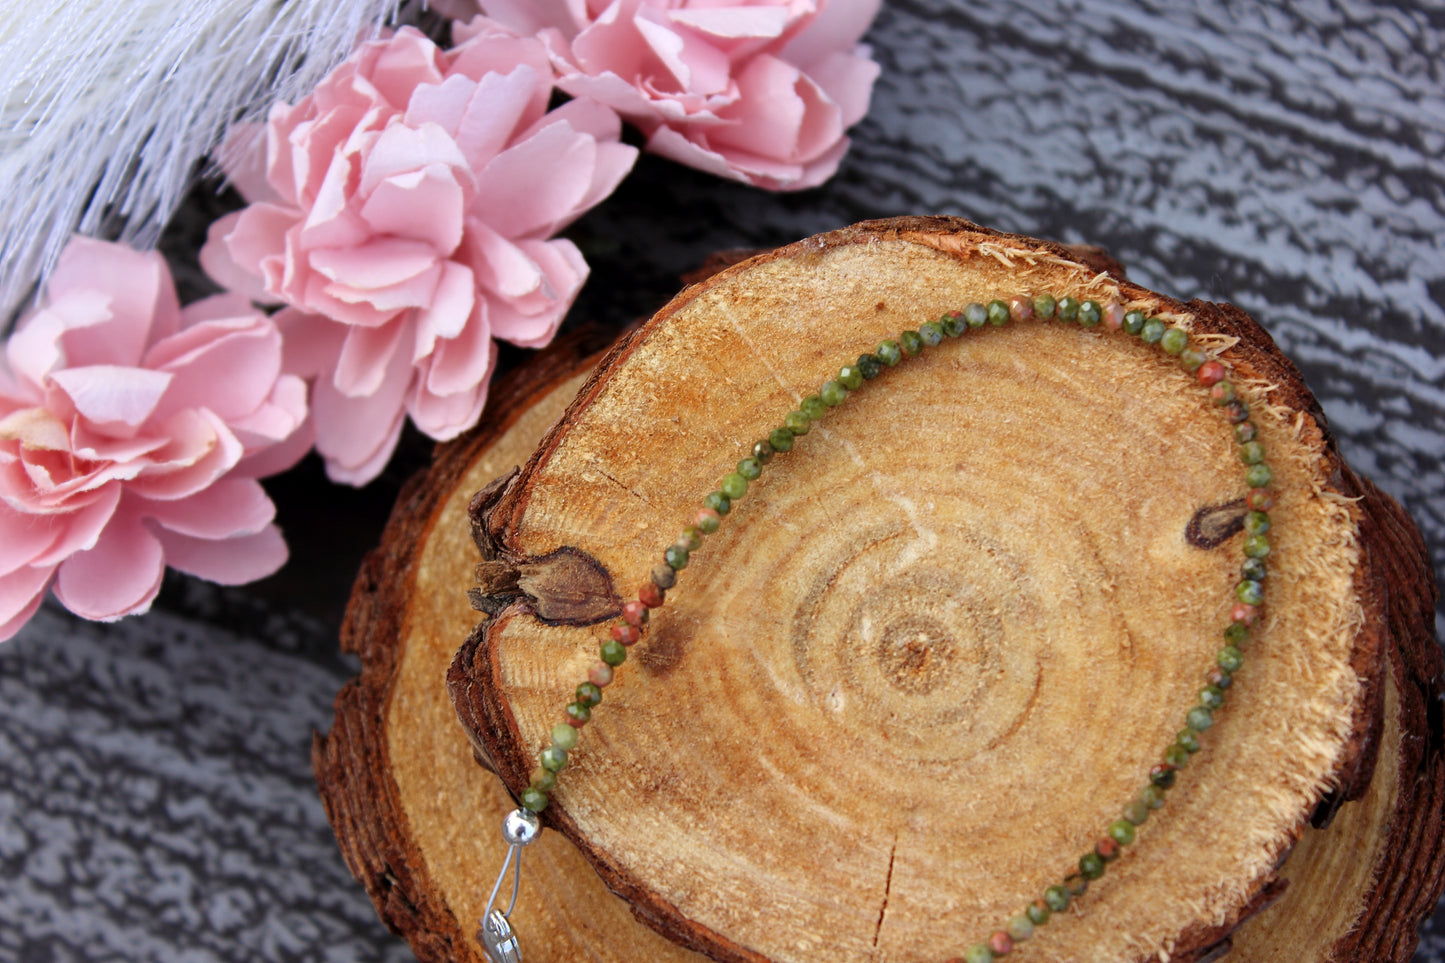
{"x":403,"y":214}
{"x":758,"y":91}
{"x":132,"y":432}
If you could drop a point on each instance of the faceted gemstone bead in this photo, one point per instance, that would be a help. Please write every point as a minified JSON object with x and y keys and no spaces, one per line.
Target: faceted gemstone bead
{"x":870,"y":366}
{"x":1199,"y":719}
{"x":850,"y":377}
{"x":651,"y":595}
{"x":813,"y":407}
{"x":889,"y":353}
{"x":1163,"y":775}
{"x":1218,"y":678}
{"x":690,"y":539}
{"x":676,"y":557}
{"x":576,"y":713}
{"x":931,"y":333}
{"x":1256,"y":523}
{"x":1136,"y":812}
{"x":626,"y":634}
{"x":664,"y":577}
{"x":1174,"y":341}
{"x":1107,"y":849}
{"x":763,"y":451}
{"x":1236,"y":633}
{"x":1254,"y":568}
{"x":552,"y":758}
{"x":719,"y":502}
{"x":1021,"y":309}
{"x":1114,"y":316}
{"x":1211,"y":373}
{"x":1250,"y":593}
{"x":1222,"y":393}
{"x":564,"y":737}
{"x":1236,"y":411}
{"x":1251,"y":452}
{"x":1077,"y":884}
{"x":1244,"y":432}
{"x":1068,"y":309}
{"x":1259,"y":499}
{"x":1258,"y":476}
{"x":707,"y":520}
{"x":543,"y":781}
{"x":1134,"y":322}
{"x":953,"y":324}
{"x":1176,"y":756}
{"x":613,"y":652}
{"x":734,"y":486}
{"x":750,"y":468}
{"x":997,"y":313}
{"x":1152,"y":796}
{"x":1192,"y":358}
{"x":589,"y":694}
{"x":1244,"y":612}
{"x":533,"y":800}
{"x":601,"y":675}
{"x":976,"y":315}
{"x":1230,"y":659}
{"x":978,"y":953}
{"x":1153,"y":331}
{"x":1211,"y":697}
{"x":1044,"y":305}
{"x":1020,"y":927}
{"x":1000,"y":943}
{"x":1256,"y":546}
{"x":797,"y":422}
{"x":635,"y":613}
{"x":833,"y":394}
{"x":1057,"y":899}
{"x":1038,"y":912}
{"x":1090,"y":313}
{"x":1189,"y":739}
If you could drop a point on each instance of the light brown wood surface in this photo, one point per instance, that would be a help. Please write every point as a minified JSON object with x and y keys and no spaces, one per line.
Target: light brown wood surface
{"x":928,"y":657}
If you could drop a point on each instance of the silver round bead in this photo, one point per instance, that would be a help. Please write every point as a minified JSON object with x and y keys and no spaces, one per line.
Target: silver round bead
{"x":521,"y":827}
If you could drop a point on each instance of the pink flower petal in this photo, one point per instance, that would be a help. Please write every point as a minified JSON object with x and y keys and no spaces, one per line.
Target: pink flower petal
{"x":21,"y":593}
{"x":227,"y":366}
{"x":400,"y":150}
{"x":531,"y":16}
{"x":230,"y":507}
{"x":80,"y":530}
{"x":739,"y":23}
{"x":461,"y":363}
{"x":538,"y":182}
{"x":113,"y":397}
{"x":847,"y":80}
{"x":23,"y":537}
{"x":281,"y":455}
{"x":119,"y":576}
{"x":366,"y":358}
{"x":233,"y":561}
{"x":237,"y":244}
{"x":379,"y":264}
{"x":311,"y":343}
{"x":201,"y":449}
{"x":443,"y":417}
{"x":356,"y":436}
{"x":498,"y":264}
{"x":402,"y":63}
{"x":838,"y":27}
{"x":424,"y":204}
{"x":531,"y":322}
{"x":447,"y":314}
{"x":143,"y":302}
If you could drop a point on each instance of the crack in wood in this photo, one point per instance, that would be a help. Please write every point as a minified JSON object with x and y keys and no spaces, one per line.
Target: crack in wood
{"x":887,"y":888}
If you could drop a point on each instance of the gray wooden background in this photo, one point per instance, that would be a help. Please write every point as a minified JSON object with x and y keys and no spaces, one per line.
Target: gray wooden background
{"x":155,"y":796}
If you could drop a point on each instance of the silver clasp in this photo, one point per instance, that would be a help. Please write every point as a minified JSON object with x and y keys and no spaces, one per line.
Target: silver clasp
{"x":498,"y":939}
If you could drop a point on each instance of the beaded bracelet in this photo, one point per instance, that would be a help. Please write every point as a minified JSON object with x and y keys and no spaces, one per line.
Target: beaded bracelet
{"x":523,"y":825}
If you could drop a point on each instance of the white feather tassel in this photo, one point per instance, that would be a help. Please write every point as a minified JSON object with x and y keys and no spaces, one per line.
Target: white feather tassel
{"x":106,"y":107}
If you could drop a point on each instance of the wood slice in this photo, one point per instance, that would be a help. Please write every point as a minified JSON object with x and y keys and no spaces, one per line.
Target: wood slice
{"x":927,"y":659}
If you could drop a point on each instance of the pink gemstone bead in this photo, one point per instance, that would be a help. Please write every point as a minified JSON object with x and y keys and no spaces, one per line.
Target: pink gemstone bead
{"x":1021,"y":309}
{"x":626,"y":634}
{"x":635,"y":613}
{"x":1114,"y":316}
{"x":1241,"y":612}
{"x":1211,"y":373}
{"x":1001,"y":943}
{"x":600,"y":675}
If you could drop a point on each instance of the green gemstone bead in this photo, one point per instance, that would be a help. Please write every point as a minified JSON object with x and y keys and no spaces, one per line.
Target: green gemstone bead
{"x":1256,"y":523}
{"x":664,"y":576}
{"x":543,"y":780}
{"x":781,"y":439}
{"x":1174,"y":341}
{"x":978,"y":953}
{"x":1211,"y":697}
{"x":722,"y":504}
{"x":676,"y":556}
{"x":1091,"y":866}
{"x":552,"y":758}
{"x":564,"y":736}
{"x":750,"y":468}
{"x":975,"y":315}
{"x":1163,"y":777}
{"x":797,"y":422}
{"x":588,"y":695}
{"x":1250,"y":593}
{"x":998,"y":313}
{"x":1230,"y":659}
{"x":953,"y":324}
{"x":1077,"y":884}
{"x":1251,"y":452}
{"x":1068,"y":309}
{"x":1192,"y":358}
{"x":613,"y":652}
{"x":1090,"y":313}
{"x":734,"y":486}
{"x":813,"y":407}
{"x":1256,"y":546}
{"x":1152,"y":796}
{"x":1254,"y":568}
{"x":1136,"y":812}
{"x":707,"y":524}
{"x":690,"y":539}
{"x":1258,"y":476}
{"x":1153,"y":331}
{"x":833,"y":393}
{"x":1189,"y":739}
{"x":889,"y":353}
{"x":1176,"y":756}
{"x":870,"y":366}
{"x":1134,"y":322}
{"x":1236,"y":633}
{"x":1222,"y":394}
{"x":1038,"y":912}
{"x":1121,"y":831}
{"x":850,"y":377}
{"x":931,"y":333}
{"x":533,"y":800}
{"x":1057,"y":898}
{"x":1044,"y":306}
{"x":1245,"y":432}
{"x":578,"y":712}
{"x":1020,"y":927}
{"x":1199,"y":719}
